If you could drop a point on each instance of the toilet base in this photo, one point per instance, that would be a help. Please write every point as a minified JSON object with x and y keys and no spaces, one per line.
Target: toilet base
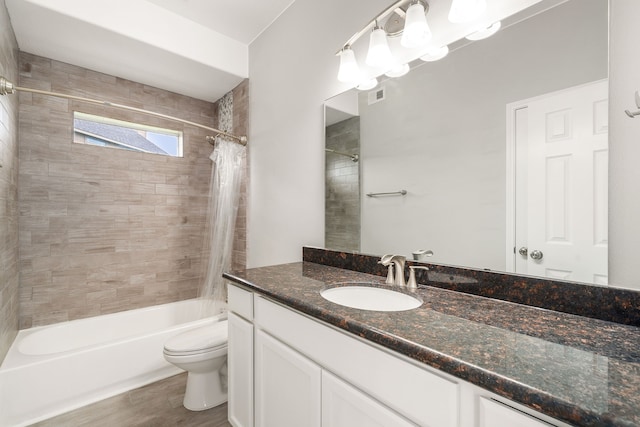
{"x":204,"y":391}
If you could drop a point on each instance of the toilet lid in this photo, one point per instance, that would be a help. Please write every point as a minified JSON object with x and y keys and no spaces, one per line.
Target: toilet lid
{"x":199,"y":339}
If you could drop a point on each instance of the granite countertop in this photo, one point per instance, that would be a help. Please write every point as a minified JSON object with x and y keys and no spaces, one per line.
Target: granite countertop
{"x":583,"y":371}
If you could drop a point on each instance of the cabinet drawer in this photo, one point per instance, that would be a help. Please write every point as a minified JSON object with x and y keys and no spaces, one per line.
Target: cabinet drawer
{"x":422,"y":396}
{"x":496,"y":414}
{"x":345,"y":406}
{"x":240,"y":301}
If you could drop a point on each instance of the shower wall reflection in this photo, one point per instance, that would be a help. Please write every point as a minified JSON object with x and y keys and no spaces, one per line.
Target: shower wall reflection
{"x":342,"y":186}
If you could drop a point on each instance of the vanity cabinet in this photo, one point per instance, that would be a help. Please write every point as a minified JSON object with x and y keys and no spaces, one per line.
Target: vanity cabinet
{"x":307,"y":373}
{"x":291,"y":391}
{"x":240,"y":357}
{"x":411,"y":392}
{"x":287,"y":385}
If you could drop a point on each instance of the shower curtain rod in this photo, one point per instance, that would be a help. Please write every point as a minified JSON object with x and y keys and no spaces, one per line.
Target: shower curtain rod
{"x":6,"y":87}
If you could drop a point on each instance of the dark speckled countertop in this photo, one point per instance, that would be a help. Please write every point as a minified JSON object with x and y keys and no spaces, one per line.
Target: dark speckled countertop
{"x":580,"y":370}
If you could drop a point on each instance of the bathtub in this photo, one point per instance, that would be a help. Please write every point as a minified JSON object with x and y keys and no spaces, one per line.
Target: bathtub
{"x":53,"y":369}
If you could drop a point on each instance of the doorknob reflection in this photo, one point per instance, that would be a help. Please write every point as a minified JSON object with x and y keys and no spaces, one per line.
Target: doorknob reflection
{"x":537,"y":255}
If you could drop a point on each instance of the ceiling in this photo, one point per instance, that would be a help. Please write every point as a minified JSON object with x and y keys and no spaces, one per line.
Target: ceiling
{"x":197,"y":48}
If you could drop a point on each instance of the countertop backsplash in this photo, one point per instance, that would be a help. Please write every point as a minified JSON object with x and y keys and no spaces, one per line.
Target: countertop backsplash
{"x":598,"y":302}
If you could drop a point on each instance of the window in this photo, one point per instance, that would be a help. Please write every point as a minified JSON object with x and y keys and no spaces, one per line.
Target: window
{"x":105,"y":132}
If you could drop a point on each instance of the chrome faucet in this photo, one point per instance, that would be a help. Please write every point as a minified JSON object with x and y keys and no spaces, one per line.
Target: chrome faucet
{"x":398,"y":264}
{"x":386,"y":261}
{"x":412,"y":284}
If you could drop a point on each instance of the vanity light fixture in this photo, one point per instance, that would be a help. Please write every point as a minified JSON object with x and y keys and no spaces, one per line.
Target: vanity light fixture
{"x":485,"y":32}
{"x":416,"y":31}
{"x":349,"y":71}
{"x":466,"y":10}
{"x":379,"y":54}
{"x":406,"y":19}
{"x":435,"y":54}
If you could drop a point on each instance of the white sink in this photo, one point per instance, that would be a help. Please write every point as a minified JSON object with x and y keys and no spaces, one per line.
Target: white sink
{"x":370,"y":298}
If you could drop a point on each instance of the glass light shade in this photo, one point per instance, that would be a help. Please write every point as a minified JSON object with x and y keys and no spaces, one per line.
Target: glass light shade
{"x":466,"y":10}
{"x":349,"y":72}
{"x":367,"y":84}
{"x":379,"y":54}
{"x":416,"y":31}
{"x":398,"y":70}
{"x":485,"y":32}
{"x":435,"y":54}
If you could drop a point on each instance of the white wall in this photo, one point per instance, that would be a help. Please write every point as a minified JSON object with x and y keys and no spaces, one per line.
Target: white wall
{"x":292,"y":69}
{"x":624,"y":145}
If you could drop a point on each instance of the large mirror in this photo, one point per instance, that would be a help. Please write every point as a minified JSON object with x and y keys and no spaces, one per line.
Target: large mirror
{"x":468,"y":148}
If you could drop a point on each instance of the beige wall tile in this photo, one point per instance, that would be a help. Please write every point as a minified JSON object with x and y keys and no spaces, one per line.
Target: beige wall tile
{"x":9,"y":210}
{"x":107,"y":230}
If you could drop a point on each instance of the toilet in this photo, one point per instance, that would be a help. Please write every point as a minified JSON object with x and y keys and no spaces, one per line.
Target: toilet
{"x":201,"y":352}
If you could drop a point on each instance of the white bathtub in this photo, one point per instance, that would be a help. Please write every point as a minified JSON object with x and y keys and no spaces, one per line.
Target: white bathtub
{"x":53,"y":369}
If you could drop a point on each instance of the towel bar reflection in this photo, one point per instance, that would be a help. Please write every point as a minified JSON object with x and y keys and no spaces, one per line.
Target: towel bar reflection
{"x":392,"y":193}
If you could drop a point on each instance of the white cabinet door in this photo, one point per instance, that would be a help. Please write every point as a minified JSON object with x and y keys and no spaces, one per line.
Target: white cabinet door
{"x":346,"y":406}
{"x":496,"y":414}
{"x":240,"y":363}
{"x":287,"y":385}
{"x":419,"y":394}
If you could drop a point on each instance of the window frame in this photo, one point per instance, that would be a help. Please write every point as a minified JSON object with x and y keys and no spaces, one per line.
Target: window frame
{"x":128,"y":125}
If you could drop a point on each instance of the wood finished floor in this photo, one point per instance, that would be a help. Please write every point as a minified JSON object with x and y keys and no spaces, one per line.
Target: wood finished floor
{"x":155,"y":405}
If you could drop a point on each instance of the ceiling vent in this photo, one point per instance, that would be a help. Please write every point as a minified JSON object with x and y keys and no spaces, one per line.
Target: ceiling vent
{"x":376,"y":95}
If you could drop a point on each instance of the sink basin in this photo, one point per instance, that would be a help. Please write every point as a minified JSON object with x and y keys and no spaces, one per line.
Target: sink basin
{"x":370,"y":298}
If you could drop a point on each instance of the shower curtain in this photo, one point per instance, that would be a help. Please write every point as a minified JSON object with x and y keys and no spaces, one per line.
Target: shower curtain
{"x":224,"y":195}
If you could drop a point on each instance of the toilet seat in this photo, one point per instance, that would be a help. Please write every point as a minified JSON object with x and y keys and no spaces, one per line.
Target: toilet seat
{"x":199,"y":340}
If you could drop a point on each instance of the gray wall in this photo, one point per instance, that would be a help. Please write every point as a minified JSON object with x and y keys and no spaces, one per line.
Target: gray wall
{"x":342,"y":187}
{"x":8,"y":188}
{"x":440,"y":134}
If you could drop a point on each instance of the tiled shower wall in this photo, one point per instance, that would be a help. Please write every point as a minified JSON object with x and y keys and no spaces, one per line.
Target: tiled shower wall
{"x":240,"y":112}
{"x":8,"y":188}
{"x":105,"y":230}
{"x":342,"y":187}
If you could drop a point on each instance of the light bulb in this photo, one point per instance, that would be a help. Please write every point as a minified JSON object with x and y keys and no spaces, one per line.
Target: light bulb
{"x":379,"y":54}
{"x":398,"y":70}
{"x":485,"y":32}
{"x":416,"y":31}
{"x":435,"y":54}
{"x":466,"y":10}
{"x":349,"y":71}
